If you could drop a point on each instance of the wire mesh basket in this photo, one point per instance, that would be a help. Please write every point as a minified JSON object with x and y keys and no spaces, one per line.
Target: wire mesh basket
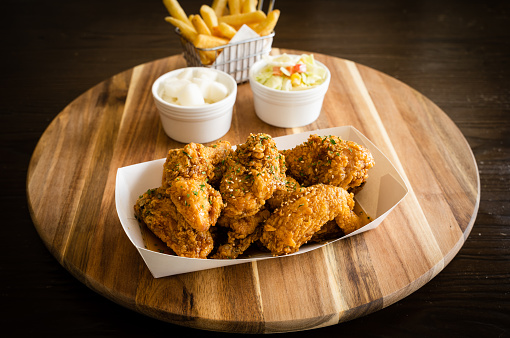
{"x":234,"y":58}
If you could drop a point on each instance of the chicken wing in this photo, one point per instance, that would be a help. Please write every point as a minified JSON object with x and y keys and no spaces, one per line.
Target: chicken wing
{"x":197,"y":201}
{"x":329,"y":160}
{"x":253,"y":172}
{"x":245,"y":231}
{"x":243,"y":227}
{"x":156,"y":210}
{"x":196,"y":161}
{"x":291,"y":186}
{"x":330,"y":230}
{"x":187,"y":172}
{"x":302,"y":214}
{"x":349,"y":222}
{"x":342,"y":225}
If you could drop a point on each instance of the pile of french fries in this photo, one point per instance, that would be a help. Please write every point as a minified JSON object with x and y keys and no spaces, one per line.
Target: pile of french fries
{"x":215,"y":25}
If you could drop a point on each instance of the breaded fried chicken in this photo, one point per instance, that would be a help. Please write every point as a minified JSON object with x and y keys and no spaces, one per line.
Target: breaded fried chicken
{"x":156,"y":210}
{"x":216,"y":202}
{"x":245,"y":231}
{"x":329,"y":160}
{"x":302,"y":214}
{"x":291,"y":186}
{"x":187,"y":172}
{"x":349,"y":222}
{"x":236,"y":246}
{"x":242,"y":233}
{"x":197,"y":201}
{"x":330,"y":230}
{"x":245,"y":226}
{"x":196,"y":161}
{"x":253,"y":172}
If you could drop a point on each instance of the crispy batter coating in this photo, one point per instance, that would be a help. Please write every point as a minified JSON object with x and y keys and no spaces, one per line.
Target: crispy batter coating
{"x":156,"y":210}
{"x":349,"y":222}
{"x":342,"y":225}
{"x":236,"y":246}
{"x":218,"y":154}
{"x":291,"y":186}
{"x":245,"y":231}
{"x":330,"y":230}
{"x":303,"y":214}
{"x":243,"y":227}
{"x":253,"y":172}
{"x":329,"y":160}
{"x":197,"y":201}
{"x":187,"y":172}
{"x":197,"y":161}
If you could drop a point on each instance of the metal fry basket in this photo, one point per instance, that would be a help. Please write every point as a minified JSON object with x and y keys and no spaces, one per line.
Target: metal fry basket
{"x":233,"y":58}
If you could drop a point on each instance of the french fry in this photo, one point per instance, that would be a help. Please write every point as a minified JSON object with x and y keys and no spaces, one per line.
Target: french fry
{"x":253,"y":25}
{"x":234,"y":6}
{"x":219,"y":7}
{"x":174,"y":8}
{"x":267,"y":26}
{"x":200,"y":25}
{"x":209,"y":41}
{"x":209,"y":16}
{"x":206,"y":57}
{"x":215,"y":26}
{"x":224,"y":30}
{"x":237,"y":20}
{"x":249,"y":6}
{"x":187,"y":31}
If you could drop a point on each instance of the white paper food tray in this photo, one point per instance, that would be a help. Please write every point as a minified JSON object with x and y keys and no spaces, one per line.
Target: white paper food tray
{"x":383,"y":191}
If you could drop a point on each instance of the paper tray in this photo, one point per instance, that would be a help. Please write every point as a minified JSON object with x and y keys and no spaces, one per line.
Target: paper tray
{"x":382,"y":192}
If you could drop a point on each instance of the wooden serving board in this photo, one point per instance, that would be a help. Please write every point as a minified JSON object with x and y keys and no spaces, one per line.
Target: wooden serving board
{"x":71,"y":183}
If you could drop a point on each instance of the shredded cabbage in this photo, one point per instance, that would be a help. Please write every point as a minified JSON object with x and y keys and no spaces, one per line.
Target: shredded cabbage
{"x":313,"y":76}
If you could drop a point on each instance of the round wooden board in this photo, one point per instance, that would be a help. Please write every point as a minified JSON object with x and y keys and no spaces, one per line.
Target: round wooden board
{"x":71,"y":185}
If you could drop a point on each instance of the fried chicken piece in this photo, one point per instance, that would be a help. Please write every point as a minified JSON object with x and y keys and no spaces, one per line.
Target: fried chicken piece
{"x":244,"y":232}
{"x":253,"y":172}
{"x":291,"y":186}
{"x":196,"y":161}
{"x":329,"y":160}
{"x":330,"y":230}
{"x":217,"y":154}
{"x":342,"y":225}
{"x":236,"y":246}
{"x":197,"y":201}
{"x":156,"y":210}
{"x":302,"y":215}
{"x":349,"y":222}
{"x":243,"y":227}
{"x":187,"y":172}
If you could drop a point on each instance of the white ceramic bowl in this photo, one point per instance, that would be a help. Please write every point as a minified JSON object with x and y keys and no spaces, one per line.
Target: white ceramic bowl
{"x":287,"y":109}
{"x":199,"y":124}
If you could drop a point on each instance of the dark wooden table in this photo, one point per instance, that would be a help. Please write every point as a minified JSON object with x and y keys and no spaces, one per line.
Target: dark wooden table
{"x":455,"y":53}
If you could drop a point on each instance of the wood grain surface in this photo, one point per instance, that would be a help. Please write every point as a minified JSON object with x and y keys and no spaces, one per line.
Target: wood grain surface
{"x":71,"y":181}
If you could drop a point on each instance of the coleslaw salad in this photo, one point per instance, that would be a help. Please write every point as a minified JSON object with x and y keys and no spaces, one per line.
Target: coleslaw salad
{"x":290,"y":72}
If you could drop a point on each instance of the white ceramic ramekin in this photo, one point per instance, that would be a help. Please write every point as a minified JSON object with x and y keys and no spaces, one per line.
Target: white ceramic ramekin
{"x":199,"y":124}
{"x":287,"y":109}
